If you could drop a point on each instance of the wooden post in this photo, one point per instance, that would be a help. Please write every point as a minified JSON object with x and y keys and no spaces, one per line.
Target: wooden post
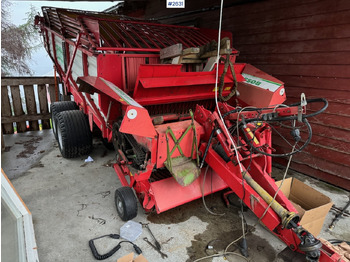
{"x":17,"y":108}
{"x":43,"y":105}
{"x":52,"y":93}
{"x":31,"y":105}
{"x":6,"y":110}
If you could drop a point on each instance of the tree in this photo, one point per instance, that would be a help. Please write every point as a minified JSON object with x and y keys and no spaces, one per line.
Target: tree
{"x":17,"y":42}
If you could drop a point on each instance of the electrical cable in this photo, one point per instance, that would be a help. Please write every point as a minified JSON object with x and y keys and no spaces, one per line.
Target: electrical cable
{"x":203,"y":200}
{"x":284,"y":177}
{"x":309,"y":101}
{"x":113,"y":250}
{"x":216,"y":87}
{"x":239,"y":112}
{"x":254,"y":226}
{"x":221,"y":254}
{"x":295,"y":117}
{"x":216,"y":93}
{"x":307,"y":141}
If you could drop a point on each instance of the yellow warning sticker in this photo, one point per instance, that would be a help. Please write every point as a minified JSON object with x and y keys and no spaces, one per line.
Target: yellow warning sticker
{"x":227,"y":88}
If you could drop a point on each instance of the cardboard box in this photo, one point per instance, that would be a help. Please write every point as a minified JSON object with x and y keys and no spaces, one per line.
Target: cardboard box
{"x":130,"y":258}
{"x":311,"y":205}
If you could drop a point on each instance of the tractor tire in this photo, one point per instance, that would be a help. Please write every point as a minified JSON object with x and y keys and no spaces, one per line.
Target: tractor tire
{"x":58,"y":107}
{"x":126,"y":203}
{"x":73,"y":134}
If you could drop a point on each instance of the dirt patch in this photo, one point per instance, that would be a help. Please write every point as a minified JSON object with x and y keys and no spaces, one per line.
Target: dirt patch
{"x":29,"y":147}
{"x":220,"y":232}
{"x":109,"y":163}
{"x":196,"y":208}
{"x":224,"y":228}
{"x":7,"y":148}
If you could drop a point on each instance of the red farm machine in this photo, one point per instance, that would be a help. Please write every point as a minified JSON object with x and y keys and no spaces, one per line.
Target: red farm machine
{"x":177,"y":109}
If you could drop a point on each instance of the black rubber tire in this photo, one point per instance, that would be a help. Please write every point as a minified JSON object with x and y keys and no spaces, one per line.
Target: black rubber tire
{"x":73,"y":134}
{"x":58,"y":107}
{"x":126,"y":203}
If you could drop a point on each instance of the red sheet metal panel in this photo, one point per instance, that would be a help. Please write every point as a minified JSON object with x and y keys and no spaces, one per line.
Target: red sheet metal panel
{"x":168,"y":193}
{"x":178,"y":129}
{"x":166,"y":83}
{"x":305,"y":44}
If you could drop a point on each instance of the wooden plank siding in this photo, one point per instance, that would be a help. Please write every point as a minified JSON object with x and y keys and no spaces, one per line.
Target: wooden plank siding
{"x":25,"y":99}
{"x":306,"y":44}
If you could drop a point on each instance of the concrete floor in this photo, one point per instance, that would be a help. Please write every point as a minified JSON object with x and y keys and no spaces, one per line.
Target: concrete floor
{"x":72,"y":201}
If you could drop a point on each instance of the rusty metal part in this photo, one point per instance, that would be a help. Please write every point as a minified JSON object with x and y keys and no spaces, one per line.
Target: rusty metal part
{"x":163,"y":255}
{"x":157,"y":244}
{"x":338,"y":216}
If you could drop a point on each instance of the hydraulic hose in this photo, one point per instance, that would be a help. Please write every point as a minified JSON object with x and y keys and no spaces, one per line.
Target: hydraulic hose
{"x":309,"y":101}
{"x":314,"y":100}
{"x":286,"y":118}
{"x":286,"y":154}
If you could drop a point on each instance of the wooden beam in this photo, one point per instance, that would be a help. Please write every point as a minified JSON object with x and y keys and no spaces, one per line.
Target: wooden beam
{"x":210,"y":64}
{"x":214,"y":53}
{"x":42,"y":94}
{"x":22,"y":118}
{"x":191,"y":61}
{"x":171,"y":51}
{"x":17,"y":108}
{"x":6,"y":110}
{"x":31,"y":105}
{"x":191,"y":50}
{"x":52,"y":94}
{"x":15,"y":81}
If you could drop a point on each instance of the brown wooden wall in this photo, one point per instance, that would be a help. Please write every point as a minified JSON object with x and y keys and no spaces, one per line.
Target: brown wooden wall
{"x":20,"y":101}
{"x":306,"y":44}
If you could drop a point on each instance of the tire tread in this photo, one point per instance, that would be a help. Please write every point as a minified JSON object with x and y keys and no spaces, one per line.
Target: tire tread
{"x":76,"y":135}
{"x":126,"y":194}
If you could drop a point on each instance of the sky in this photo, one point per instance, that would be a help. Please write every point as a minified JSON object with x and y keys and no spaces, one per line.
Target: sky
{"x":40,"y":63}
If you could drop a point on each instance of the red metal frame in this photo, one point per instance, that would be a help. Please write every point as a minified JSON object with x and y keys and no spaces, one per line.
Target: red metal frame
{"x":126,"y":85}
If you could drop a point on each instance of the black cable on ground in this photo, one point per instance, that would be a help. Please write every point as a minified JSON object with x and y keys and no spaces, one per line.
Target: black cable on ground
{"x":113,"y":250}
